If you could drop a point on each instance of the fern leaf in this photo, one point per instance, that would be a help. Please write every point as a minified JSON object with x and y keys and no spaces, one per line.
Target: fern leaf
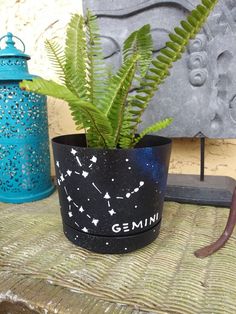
{"x":140,"y":42}
{"x":186,"y":26}
{"x":76,"y":67}
{"x":76,"y":57}
{"x":94,"y":118}
{"x":126,"y":136}
{"x":57,"y":58}
{"x":159,"y":68}
{"x":97,"y":70}
{"x":157,"y":126}
{"x":115,"y":98}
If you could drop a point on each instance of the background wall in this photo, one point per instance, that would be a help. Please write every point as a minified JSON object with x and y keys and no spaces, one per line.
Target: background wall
{"x":34,"y":21}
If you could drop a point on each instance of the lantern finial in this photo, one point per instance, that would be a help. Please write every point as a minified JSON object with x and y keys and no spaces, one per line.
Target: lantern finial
{"x":9,"y":41}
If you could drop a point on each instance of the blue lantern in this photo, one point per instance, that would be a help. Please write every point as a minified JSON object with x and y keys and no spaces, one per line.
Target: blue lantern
{"x":24,"y":145}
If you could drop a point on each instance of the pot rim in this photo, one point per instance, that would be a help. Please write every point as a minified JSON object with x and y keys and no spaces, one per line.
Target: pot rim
{"x":163,"y":141}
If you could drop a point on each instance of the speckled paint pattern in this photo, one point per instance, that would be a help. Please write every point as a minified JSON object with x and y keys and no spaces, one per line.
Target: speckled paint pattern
{"x":111,"y":193}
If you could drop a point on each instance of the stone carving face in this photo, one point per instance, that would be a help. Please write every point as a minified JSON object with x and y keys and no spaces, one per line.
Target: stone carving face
{"x":201,"y":93}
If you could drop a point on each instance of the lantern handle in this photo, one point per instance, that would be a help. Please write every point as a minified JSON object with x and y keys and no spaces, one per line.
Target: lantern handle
{"x":10,"y":41}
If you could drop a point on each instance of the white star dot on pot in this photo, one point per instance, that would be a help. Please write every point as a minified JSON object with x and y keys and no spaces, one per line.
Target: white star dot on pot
{"x":69,"y":198}
{"x":70,"y":214}
{"x":93,"y":159}
{"x":73,"y":151}
{"x":112,"y":212}
{"x":128,"y":195}
{"x":95,"y":222}
{"x":85,"y":229}
{"x":69,"y":172}
{"x":58,"y":164}
{"x":107,"y":196}
{"x":81,"y":209}
{"x":85,"y":174}
{"x":107,"y":243}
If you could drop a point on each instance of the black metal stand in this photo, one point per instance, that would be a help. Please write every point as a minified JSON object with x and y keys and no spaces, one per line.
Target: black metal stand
{"x":206,"y":190}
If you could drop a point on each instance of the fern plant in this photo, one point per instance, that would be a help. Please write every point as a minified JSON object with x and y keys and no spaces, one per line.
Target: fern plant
{"x":99,"y":101}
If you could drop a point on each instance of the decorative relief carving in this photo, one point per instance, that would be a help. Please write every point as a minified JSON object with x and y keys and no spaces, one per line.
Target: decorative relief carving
{"x":223,"y":83}
{"x":232,"y":108}
{"x":218,"y":24}
{"x":197,"y":77}
{"x":159,"y":37}
{"x":231,"y":5}
{"x":202,"y":87}
{"x":198,"y":44}
{"x":197,"y":61}
{"x":110,"y":46}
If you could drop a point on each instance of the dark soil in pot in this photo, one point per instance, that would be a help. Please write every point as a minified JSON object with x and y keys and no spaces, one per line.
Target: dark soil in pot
{"x":111,"y":199}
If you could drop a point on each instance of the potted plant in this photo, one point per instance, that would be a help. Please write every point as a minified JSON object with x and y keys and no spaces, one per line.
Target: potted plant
{"x":111,"y":180}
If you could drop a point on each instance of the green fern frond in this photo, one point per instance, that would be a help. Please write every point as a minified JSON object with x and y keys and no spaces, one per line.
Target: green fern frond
{"x":76,"y":57}
{"x":159,"y":69}
{"x":97,"y":73}
{"x":95,"y":119}
{"x":76,"y":76}
{"x":115,"y":98}
{"x":126,"y":136}
{"x":140,"y":42}
{"x":155,"y":127}
{"x":57,"y":58}
{"x":96,"y":67}
{"x":100,"y":102}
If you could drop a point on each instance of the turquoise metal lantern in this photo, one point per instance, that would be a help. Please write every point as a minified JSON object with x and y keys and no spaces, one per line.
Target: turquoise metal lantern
{"x":24,"y":144}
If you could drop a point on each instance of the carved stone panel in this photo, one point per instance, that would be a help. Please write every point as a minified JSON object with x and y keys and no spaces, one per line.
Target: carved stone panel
{"x":200,"y":94}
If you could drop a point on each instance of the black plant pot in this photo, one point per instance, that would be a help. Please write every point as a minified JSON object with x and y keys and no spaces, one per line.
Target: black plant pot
{"x":111,"y":199}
